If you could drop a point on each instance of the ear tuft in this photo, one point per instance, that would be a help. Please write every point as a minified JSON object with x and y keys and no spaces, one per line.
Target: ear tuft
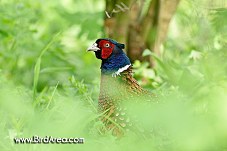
{"x":122,"y":46}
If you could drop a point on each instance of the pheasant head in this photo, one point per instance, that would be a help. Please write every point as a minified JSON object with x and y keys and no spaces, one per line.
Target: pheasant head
{"x":114,"y":60}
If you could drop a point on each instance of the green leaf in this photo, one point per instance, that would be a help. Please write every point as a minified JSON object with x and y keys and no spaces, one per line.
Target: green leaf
{"x":146,"y":52}
{"x":36,"y":76}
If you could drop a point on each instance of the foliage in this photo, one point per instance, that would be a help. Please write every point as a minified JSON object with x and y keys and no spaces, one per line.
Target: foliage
{"x":49,"y":85}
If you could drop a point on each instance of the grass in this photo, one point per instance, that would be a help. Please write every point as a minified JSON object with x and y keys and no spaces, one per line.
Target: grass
{"x":38,"y":64}
{"x":49,"y":85}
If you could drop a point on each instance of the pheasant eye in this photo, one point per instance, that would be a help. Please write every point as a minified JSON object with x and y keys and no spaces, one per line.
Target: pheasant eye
{"x":107,"y":45}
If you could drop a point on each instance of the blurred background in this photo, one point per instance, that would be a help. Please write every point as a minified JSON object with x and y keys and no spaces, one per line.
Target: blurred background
{"x":49,"y":84}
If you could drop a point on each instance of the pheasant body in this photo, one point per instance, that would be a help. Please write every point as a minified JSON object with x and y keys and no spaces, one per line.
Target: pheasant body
{"x":117,"y":84}
{"x":113,"y":92}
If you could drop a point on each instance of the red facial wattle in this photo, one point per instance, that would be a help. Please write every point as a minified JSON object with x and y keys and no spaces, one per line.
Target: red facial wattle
{"x":106,"y":51}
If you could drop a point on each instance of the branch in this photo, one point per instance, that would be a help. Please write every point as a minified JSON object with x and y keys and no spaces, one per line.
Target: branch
{"x":150,"y":19}
{"x":167,"y":10}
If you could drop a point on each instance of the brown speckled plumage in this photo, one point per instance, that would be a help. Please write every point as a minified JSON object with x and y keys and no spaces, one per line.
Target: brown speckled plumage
{"x":114,"y":90}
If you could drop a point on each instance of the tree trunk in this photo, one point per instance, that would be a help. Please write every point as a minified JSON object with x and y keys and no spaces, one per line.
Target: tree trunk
{"x":127,"y":22}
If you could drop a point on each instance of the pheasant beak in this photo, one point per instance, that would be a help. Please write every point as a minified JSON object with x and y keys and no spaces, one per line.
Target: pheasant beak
{"x":93,"y":47}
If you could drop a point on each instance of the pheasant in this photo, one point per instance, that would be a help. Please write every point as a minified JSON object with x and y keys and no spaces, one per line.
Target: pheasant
{"x":117,"y":84}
